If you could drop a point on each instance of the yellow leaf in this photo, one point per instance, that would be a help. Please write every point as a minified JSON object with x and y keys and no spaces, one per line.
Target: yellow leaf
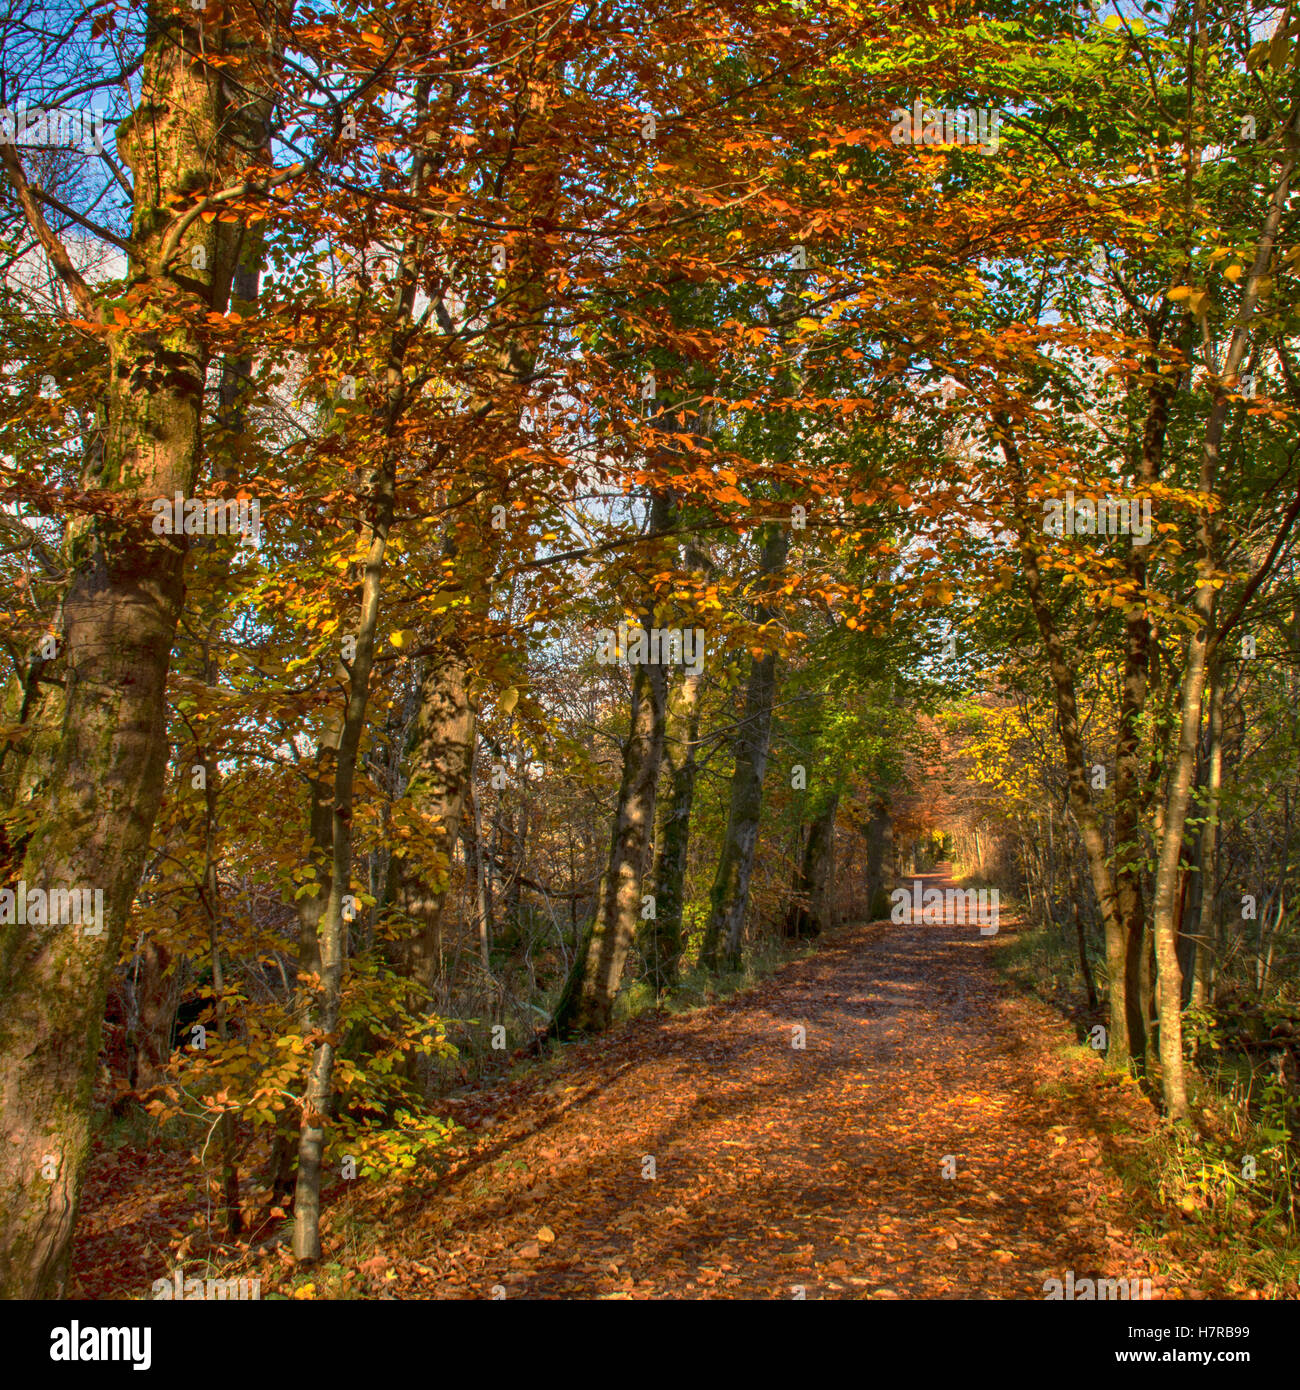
{"x":509,"y":699}
{"x":400,"y":639}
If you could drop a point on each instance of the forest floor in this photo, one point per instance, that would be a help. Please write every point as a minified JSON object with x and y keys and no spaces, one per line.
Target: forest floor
{"x":779,"y":1171}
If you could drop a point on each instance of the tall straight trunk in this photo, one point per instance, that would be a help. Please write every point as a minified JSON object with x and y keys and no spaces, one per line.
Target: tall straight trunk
{"x":586,"y":1002}
{"x":661,"y":936}
{"x":1207,"y":936}
{"x":1081,"y":934}
{"x":730,"y":896}
{"x":1147,"y":976}
{"x":1196,"y":665}
{"x":477,"y":871}
{"x":878,"y":835}
{"x":1131,"y":784}
{"x":1187,"y":909}
{"x":120,"y":612}
{"x":440,"y":757}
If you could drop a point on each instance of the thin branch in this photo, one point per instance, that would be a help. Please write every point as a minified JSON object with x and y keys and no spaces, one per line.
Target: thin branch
{"x":85,"y":222}
{"x":54,"y":248}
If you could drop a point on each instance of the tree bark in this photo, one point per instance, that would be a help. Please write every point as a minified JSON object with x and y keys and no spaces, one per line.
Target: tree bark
{"x":440,"y":757}
{"x":1207,"y":940}
{"x":730,"y":896}
{"x":661,"y":937}
{"x":120,"y":614}
{"x":1196,"y":665}
{"x":1081,"y":935}
{"x":879,"y":834}
{"x":808,"y":914}
{"x":1120,"y":1039}
{"x":477,"y":869}
{"x":587,"y":1001}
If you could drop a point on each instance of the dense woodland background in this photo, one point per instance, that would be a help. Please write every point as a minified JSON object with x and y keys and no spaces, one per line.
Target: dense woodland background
{"x":520,"y":321}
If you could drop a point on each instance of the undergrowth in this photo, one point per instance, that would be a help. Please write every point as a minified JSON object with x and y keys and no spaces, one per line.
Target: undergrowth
{"x":1222,"y":1193}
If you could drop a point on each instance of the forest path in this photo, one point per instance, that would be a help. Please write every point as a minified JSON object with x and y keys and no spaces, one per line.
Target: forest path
{"x":778,"y":1168}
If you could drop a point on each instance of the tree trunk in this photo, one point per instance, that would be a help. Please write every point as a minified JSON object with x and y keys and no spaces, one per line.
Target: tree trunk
{"x":324,"y":1023}
{"x":661,"y":936}
{"x":1081,"y":935}
{"x":730,"y":896}
{"x":476,"y":867}
{"x":1119,"y":1050}
{"x":120,"y":614}
{"x":878,"y":837}
{"x":586,"y":1003}
{"x":808,"y":913}
{"x":1196,"y":665}
{"x":440,"y":758}
{"x":1207,"y":944}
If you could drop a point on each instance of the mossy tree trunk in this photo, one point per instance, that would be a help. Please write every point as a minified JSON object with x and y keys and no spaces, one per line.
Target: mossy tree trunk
{"x":119,"y":615}
{"x":809,"y":912}
{"x":879,"y":836}
{"x":440,"y":756}
{"x":730,"y":894}
{"x":661,"y":936}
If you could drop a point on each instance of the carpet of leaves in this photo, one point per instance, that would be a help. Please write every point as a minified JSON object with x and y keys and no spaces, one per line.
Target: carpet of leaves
{"x":778,"y":1171}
